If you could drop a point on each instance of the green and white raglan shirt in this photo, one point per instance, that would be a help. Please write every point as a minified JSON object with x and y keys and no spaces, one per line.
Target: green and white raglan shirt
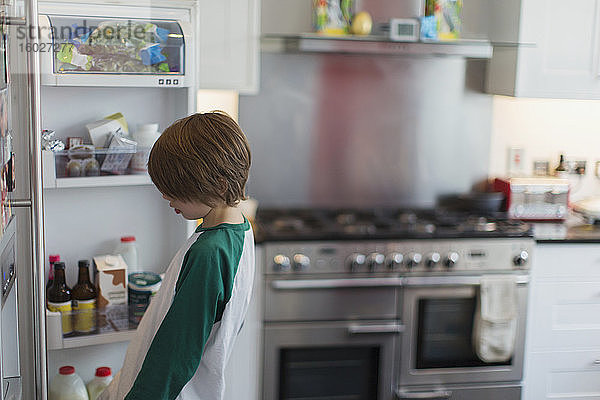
{"x":184,"y":340}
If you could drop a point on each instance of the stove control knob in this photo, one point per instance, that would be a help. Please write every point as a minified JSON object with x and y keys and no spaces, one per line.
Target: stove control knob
{"x":394,"y":260}
{"x":281,"y":263}
{"x":521,"y":259}
{"x":451,"y":259}
{"x":432,"y":260}
{"x":414,"y":259}
{"x":355,"y":261}
{"x":301,"y":262}
{"x":375,"y":261}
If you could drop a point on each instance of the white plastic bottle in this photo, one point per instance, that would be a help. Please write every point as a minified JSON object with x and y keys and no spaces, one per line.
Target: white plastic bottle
{"x":67,"y":385}
{"x":100,"y":382}
{"x":128,"y":250}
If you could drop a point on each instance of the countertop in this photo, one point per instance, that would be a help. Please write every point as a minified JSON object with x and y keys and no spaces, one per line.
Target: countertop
{"x":574,"y":230}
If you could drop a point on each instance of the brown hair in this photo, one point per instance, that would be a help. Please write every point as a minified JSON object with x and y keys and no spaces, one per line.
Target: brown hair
{"x":202,"y":157}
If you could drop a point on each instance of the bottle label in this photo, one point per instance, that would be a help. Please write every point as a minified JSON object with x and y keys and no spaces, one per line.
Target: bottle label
{"x":84,"y":315}
{"x":65,"y":309}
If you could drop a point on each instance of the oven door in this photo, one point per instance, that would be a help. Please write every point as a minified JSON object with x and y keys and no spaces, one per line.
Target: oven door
{"x":437,"y":349}
{"x":331,"y":360}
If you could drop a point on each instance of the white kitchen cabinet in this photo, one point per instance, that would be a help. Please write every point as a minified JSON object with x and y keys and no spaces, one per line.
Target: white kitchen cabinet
{"x":562,"y":359}
{"x":566,"y":375}
{"x":567,"y":315}
{"x":554,"y":52}
{"x":228,"y":45}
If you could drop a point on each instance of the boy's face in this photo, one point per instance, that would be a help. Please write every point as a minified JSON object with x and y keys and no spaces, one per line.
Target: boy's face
{"x":188,"y":209}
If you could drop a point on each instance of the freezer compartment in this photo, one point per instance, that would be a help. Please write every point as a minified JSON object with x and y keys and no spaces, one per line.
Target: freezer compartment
{"x":116,"y":45}
{"x":110,"y":51}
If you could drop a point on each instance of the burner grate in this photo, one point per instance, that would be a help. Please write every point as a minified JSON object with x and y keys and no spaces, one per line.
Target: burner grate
{"x":361,"y":224}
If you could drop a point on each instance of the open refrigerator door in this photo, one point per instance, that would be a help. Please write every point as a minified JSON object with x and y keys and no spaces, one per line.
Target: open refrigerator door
{"x":83,"y":217}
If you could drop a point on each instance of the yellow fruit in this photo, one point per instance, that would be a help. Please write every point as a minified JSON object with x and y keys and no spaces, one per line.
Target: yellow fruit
{"x":362,"y":23}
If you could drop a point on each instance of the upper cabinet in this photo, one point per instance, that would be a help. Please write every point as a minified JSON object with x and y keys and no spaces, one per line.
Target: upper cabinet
{"x":545,"y":48}
{"x":228,"y":45}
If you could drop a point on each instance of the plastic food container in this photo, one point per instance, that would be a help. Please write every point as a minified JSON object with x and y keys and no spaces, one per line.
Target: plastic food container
{"x":142,"y":286}
{"x":88,"y":161}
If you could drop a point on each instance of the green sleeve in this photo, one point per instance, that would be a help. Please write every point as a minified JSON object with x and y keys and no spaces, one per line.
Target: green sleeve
{"x":176,"y":350}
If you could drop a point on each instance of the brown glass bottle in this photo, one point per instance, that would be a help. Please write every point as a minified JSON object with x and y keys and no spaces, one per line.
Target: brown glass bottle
{"x":84,"y":301}
{"x":59,"y":297}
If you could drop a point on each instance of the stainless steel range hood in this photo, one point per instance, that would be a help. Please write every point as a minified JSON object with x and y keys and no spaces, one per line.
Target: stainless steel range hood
{"x":312,"y":43}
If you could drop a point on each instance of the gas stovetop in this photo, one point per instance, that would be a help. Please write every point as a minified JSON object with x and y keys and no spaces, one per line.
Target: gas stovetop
{"x":364,"y":224}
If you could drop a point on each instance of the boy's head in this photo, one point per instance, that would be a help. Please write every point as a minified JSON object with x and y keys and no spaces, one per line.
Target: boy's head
{"x":201,"y":158}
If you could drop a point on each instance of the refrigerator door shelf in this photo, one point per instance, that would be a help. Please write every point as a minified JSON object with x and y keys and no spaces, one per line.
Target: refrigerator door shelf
{"x":56,"y":341}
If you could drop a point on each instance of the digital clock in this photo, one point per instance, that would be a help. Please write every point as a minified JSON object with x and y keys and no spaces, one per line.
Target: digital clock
{"x":404,"y":30}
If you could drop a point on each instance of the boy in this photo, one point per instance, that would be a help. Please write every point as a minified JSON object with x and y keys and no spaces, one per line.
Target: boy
{"x":200,"y":165}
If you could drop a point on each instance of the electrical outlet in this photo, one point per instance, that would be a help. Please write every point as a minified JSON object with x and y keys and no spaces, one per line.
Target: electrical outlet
{"x":576,"y":167}
{"x":515,"y":161}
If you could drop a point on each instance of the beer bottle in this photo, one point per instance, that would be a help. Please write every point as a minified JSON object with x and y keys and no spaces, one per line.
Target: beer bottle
{"x":52,"y":259}
{"x":59,"y":297}
{"x":84,"y":301}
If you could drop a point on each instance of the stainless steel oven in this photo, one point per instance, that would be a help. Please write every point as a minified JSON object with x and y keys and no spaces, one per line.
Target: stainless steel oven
{"x":328,"y":335}
{"x":380,"y":305}
{"x":438,"y":359}
{"x":330,"y":360}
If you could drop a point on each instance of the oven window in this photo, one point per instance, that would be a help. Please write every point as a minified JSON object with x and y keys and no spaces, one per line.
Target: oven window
{"x":444,"y":336}
{"x":329,"y":373}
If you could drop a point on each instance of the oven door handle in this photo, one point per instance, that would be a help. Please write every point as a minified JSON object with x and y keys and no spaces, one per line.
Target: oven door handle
{"x":298,"y":284}
{"x":376,"y":329}
{"x":454,"y":281}
{"x":436,"y":395}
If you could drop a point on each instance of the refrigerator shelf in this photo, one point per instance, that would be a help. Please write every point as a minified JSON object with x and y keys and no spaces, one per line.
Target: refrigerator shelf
{"x":56,"y":340}
{"x":99,"y":181}
{"x":52,"y":181}
{"x":101,"y":338}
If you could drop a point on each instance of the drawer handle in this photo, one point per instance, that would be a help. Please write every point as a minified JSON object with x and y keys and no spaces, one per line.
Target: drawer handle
{"x":596,"y":362}
{"x":439,"y":395}
{"x":375,"y":329}
{"x":299,"y":284}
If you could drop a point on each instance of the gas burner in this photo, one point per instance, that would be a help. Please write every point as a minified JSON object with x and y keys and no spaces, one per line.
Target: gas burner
{"x":426,"y":228}
{"x":361,"y":224}
{"x":481,"y":224}
{"x":289,"y":224}
{"x":407,"y":218}
{"x":346,"y":218}
{"x":360,"y":228}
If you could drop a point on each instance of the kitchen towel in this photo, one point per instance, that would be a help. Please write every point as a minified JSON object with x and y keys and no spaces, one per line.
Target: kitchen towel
{"x":495,"y":325}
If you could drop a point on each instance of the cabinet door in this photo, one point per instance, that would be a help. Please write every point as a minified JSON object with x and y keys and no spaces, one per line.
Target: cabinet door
{"x":564,"y":62}
{"x":563,"y":376}
{"x":566,"y":262}
{"x":565,"y":316}
{"x":228,"y":37}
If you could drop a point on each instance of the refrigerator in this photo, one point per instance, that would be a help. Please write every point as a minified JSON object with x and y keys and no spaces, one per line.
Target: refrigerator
{"x":59,"y":82}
